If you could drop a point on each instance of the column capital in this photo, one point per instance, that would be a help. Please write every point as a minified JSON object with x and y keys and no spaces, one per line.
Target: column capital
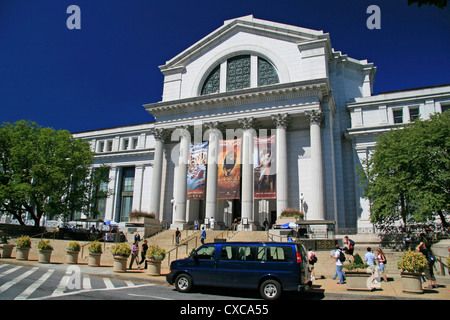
{"x":281,"y":120}
{"x":213,"y":125}
{"x":160,"y":134}
{"x":315,"y":117}
{"x":248,"y":123}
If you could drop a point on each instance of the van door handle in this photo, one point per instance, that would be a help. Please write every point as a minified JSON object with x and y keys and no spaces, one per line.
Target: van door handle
{"x":215,"y":264}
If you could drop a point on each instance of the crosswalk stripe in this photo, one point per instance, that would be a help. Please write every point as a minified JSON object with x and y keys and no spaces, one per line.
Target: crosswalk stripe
{"x":130,"y":283}
{"x":10,"y":271}
{"x":62,"y":285}
{"x":28,"y":291}
{"x":108,"y":283}
{"x":87,"y":283}
{"x":9,"y":284}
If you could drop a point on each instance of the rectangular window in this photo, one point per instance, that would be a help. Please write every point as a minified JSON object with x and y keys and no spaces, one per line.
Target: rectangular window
{"x":398,"y":116}
{"x":413,"y":113}
{"x":445,"y":108}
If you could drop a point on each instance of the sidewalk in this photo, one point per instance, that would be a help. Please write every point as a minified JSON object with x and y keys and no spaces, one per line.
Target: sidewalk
{"x":326,"y":286}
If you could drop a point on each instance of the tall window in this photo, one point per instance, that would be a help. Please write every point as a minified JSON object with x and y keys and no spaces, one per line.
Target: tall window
{"x":238,"y":74}
{"x":398,"y":116}
{"x":126,"y":199}
{"x":413,"y":113}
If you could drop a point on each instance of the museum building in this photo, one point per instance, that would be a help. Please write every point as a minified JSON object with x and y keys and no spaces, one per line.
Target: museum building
{"x":255,"y":118}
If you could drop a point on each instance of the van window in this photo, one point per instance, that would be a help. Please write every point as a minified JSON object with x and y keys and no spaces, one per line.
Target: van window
{"x":256,"y":253}
{"x":206,"y":253}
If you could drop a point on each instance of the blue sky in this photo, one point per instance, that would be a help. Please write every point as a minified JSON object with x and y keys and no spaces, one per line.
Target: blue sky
{"x":101,"y":75}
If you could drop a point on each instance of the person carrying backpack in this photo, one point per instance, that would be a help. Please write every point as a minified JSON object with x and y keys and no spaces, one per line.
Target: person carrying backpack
{"x":425,"y":249}
{"x":312,"y":259}
{"x":350,"y":247}
{"x":339,"y":258}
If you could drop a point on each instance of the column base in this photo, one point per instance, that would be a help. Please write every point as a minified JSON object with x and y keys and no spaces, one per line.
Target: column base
{"x":180,"y":225}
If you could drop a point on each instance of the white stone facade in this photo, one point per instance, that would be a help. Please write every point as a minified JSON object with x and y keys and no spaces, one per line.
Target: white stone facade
{"x":321,"y":108}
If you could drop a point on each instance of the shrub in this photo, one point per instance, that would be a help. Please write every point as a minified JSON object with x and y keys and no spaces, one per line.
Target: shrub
{"x":357,"y":263}
{"x":122,"y":249}
{"x":95,"y":247}
{"x":45,"y":245}
{"x":139,"y":213}
{"x":412,"y":261}
{"x":154,"y":251}
{"x":24,"y":242}
{"x":292,"y":212}
{"x":73,"y":246}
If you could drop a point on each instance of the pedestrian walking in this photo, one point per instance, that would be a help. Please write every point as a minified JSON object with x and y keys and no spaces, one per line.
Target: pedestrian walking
{"x":382,"y":263}
{"x":425,"y":249}
{"x":134,"y":255}
{"x":177,"y":236}
{"x":338,"y":259}
{"x":350,"y":248}
{"x":312,"y":259}
{"x":203,"y":236}
{"x":144,"y":248}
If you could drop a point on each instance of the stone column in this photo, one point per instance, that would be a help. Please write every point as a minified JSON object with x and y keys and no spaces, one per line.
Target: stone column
{"x":281,"y":122}
{"x":317,"y":209}
{"x":247,"y":169}
{"x":159,"y":135}
{"x":211,"y":179}
{"x":180,"y":197}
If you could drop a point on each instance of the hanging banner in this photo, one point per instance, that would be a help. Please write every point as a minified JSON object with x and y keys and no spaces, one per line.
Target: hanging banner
{"x":264,"y":172}
{"x":196,"y":171}
{"x":229,"y":169}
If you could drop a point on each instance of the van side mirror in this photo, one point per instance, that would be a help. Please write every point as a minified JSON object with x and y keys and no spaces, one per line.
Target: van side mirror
{"x":195,"y":255}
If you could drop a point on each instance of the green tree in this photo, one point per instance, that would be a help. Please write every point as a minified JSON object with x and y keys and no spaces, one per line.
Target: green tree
{"x":407,"y":175}
{"x":42,"y":170}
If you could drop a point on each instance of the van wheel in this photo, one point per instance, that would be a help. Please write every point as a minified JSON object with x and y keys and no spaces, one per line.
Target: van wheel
{"x":183,"y":283}
{"x":270,"y":290}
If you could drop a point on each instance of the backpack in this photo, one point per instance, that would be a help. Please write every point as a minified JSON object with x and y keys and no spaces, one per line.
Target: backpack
{"x":313,"y":259}
{"x":431,"y":258}
{"x":341,"y":256}
{"x":352,"y":244}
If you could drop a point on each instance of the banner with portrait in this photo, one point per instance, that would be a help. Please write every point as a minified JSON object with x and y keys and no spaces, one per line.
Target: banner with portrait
{"x":264,"y":168}
{"x":229,"y":169}
{"x":196,"y":171}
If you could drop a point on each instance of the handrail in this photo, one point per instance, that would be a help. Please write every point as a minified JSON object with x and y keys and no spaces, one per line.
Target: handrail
{"x":186,"y":241}
{"x":220,"y":235}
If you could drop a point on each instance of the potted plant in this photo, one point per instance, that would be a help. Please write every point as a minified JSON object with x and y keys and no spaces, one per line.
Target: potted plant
{"x":290,"y":215}
{"x":95,"y":252}
{"x":358,"y":278}
{"x":155,"y":255}
{"x":5,"y":248}
{"x":121,"y":252}
{"x":45,"y":251}
{"x":23,"y":247}
{"x":72,"y":250}
{"x":412,"y":264}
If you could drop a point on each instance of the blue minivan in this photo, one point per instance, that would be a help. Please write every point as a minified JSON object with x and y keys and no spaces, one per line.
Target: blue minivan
{"x":270,"y":267}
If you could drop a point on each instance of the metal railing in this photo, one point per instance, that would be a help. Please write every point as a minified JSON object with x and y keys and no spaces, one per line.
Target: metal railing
{"x":187,"y":243}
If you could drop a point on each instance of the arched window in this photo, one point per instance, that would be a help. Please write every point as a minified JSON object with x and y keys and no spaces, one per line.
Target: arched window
{"x":212,"y":82}
{"x":266,"y":73}
{"x":239,"y":74}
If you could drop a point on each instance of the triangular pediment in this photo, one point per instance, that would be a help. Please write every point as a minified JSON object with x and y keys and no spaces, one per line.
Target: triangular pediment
{"x":244,"y":24}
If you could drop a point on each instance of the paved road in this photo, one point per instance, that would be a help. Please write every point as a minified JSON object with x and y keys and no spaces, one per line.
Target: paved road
{"x":68,"y":282}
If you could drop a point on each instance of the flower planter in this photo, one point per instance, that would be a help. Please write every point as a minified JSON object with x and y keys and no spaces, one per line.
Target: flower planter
{"x":120,"y":264}
{"x":72,"y":257}
{"x":358,"y":280}
{"x":153,"y":267}
{"x":6,"y":250}
{"x":22,"y":253}
{"x":44,"y":256}
{"x":412,"y":282}
{"x":94,"y":259}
